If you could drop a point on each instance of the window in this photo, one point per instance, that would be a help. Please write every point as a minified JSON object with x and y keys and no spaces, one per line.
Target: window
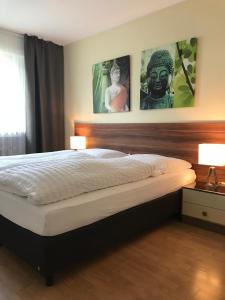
{"x":12,"y":94}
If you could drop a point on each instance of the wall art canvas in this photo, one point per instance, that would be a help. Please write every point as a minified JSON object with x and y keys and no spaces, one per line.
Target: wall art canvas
{"x":111,"y":85}
{"x":168,"y":75}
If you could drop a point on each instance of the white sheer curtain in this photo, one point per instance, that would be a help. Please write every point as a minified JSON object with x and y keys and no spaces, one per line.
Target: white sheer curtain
{"x":12,"y":94}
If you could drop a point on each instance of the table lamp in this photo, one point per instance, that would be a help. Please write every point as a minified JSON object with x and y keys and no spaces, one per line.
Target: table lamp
{"x":77,"y":142}
{"x":212,"y":155}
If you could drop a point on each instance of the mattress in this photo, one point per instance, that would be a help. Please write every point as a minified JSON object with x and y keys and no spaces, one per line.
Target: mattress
{"x":67,"y":215}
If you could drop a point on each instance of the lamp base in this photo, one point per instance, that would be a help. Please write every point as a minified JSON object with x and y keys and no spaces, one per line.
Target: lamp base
{"x":211,"y":180}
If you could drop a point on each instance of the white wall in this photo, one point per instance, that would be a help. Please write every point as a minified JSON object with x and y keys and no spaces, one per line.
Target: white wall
{"x":204,"y":19}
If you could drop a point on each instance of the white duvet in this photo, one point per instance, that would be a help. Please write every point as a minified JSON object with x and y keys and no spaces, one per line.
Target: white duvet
{"x":50,"y":177}
{"x":43,"y":181}
{"x":7,"y":162}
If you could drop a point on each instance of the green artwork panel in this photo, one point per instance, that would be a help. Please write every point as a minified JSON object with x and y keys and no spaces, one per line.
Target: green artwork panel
{"x":168,"y":75}
{"x":111,"y":85}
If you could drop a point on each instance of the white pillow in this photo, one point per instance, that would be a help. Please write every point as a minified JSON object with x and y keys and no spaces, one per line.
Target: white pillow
{"x":162,"y":164}
{"x":103,"y":153}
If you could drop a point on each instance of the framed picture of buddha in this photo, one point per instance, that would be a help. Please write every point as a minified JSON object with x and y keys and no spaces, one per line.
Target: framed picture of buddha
{"x":111,"y":85}
{"x":168,"y":75}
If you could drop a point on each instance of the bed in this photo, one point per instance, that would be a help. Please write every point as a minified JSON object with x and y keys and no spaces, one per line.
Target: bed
{"x":126,"y":210}
{"x":63,"y":216}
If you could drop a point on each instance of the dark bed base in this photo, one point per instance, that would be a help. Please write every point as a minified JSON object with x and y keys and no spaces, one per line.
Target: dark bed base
{"x":50,"y":254}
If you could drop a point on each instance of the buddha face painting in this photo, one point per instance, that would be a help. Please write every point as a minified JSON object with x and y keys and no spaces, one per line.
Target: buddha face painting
{"x":158,"y":81}
{"x":168,"y":75}
{"x":159,"y":70}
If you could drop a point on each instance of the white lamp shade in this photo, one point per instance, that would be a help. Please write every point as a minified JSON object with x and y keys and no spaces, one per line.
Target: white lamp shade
{"x":211,"y":154}
{"x":77,"y":142}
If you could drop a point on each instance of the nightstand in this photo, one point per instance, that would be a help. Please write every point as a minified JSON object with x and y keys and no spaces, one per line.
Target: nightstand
{"x":204,"y":207}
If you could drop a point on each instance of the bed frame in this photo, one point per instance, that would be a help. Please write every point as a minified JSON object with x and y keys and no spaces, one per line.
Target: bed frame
{"x":50,"y":254}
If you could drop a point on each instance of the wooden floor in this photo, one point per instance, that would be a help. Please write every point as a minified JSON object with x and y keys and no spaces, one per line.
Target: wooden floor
{"x":176,"y":261}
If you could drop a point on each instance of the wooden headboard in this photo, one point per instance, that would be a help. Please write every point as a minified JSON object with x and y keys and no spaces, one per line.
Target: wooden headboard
{"x":170,"y":139}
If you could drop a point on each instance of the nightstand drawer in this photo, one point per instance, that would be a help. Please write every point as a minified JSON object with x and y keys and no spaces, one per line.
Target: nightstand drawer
{"x":204,"y":198}
{"x":204,"y":213}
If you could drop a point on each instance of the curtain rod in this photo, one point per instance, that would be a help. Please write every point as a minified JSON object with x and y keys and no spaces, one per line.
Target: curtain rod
{"x":3,"y":30}
{"x":6,"y":31}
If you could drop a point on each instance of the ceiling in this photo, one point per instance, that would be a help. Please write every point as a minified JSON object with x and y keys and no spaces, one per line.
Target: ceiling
{"x":65,"y":21}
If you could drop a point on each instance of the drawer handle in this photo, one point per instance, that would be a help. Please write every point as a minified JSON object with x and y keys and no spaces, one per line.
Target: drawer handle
{"x":204,"y":213}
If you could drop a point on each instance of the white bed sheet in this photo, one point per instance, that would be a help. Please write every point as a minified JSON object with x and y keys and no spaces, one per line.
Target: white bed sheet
{"x":66,"y":215}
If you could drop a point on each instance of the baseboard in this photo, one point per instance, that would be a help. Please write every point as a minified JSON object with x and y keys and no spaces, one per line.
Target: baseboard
{"x":204,"y":224}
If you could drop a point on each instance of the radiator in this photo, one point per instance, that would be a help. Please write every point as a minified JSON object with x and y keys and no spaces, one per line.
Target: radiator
{"x":12,"y":144}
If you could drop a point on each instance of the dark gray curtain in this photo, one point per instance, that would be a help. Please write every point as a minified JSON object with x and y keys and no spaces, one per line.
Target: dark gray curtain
{"x":45,"y":95}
